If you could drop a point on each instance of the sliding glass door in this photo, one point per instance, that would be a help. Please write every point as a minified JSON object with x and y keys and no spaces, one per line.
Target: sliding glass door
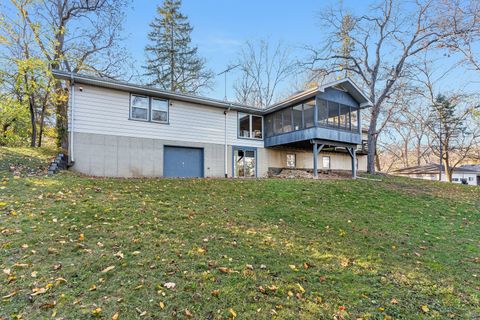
{"x":244,"y":162}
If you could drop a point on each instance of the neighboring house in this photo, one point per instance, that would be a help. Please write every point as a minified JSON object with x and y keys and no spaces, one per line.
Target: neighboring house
{"x":432,"y":172}
{"x":474,"y":168}
{"x":124,"y":130}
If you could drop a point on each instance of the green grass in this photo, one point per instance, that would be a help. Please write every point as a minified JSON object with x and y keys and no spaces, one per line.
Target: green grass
{"x":331,"y":249}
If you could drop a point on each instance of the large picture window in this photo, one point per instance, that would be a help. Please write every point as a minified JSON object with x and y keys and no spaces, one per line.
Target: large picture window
{"x":148,"y":109}
{"x":250,"y":126}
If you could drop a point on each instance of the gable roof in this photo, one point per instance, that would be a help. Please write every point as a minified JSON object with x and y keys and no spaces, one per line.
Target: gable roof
{"x":344,"y":84}
{"x":431,"y":168}
{"x":471,"y":167}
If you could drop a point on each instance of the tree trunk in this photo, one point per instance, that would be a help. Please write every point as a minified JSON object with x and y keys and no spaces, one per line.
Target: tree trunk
{"x":42,"y":124}
{"x":33,"y":122}
{"x":61,"y":108}
{"x":377,"y":162}
{"x":446,"y":164}
{"x":372,"y":140}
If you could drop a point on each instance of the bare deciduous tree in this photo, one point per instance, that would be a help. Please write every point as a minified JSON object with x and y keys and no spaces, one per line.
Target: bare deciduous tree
{"x":76,"y":35}
{"x":263,"y":70}
{"x":461,"y":18}
{"x":385,"y":43}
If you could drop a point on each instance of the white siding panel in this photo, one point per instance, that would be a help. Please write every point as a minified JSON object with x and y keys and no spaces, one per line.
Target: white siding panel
{"x":106,"y":111}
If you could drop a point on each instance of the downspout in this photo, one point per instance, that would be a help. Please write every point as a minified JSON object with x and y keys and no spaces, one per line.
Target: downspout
{"x":72,"y":106}
{"x":226,"y":143}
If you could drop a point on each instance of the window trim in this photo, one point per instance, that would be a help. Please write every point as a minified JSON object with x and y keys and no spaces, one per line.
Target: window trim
{"x":149,"y":109}
{"x":250,"y":117}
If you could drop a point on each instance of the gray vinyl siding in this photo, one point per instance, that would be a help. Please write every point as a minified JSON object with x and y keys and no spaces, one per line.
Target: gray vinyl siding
{"x":106,"y":111}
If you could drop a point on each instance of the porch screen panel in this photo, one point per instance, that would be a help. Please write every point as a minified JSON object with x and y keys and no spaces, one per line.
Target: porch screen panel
{"x":344,"y":117}
{"x":297,"y":117}
{"x":269,"y":125}
{"x":277,"y":123}
{"x":309,"y":113}
{"x":287,"y":119}
{"x":333,"y":114}
{"x":354,"y":119}
{"x":322,"y":112}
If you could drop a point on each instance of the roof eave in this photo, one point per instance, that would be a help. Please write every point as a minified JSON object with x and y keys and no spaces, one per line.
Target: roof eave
{"x":152,"y":91}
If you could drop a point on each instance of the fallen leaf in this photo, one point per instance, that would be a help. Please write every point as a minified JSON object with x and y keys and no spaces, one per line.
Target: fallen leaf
{"x":92,"y":288}
{"x":34,"y":274}
{"x":393,"y":301}
{"x":224,"y":270}
{"x":97,"y":311}
{"x":232,"y":312}
{"x":216,"y":293}
{"x":162,"y":305}
{"x":37,"y":291}
{"x":116,"y":316}
{"x":21,"y":265}
{"x":119,"y":254}
{"x":272,"y":287}
{"x":81,"y":237}
{"x":201,"y":250}
{"x":188,"y":313}
{"x":8,"y":296}
{"x":425,"y":308}
{"x":300,"y":288}
{"x":108,"y":269}
{"x":7,"y":271}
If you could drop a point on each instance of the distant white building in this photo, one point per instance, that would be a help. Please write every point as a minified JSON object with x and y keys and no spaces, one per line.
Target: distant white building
{"x":467,"y":174}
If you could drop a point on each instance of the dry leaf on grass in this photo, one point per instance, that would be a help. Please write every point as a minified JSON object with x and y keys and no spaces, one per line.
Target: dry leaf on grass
{"x":108,"y":269}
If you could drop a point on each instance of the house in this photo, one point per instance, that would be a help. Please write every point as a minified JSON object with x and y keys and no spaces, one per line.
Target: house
{"x":432,"y":171}
{"x":119,"y":129}
{"x":472,"y":168}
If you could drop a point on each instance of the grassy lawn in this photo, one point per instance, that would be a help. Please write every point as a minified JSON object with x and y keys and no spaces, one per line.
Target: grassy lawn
{"x":73,"y":247}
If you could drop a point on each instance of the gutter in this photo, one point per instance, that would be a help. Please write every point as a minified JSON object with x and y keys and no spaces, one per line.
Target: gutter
{"x":123,"y":86}
{"x":72,"y":112}
{"x":226,"y":143}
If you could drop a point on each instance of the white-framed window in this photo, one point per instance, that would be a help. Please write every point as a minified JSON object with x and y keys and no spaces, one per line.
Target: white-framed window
{"x":159,"y":110}
{"x":151,"y":109}
{"x":326,"y":162}
{"x":455,"y":179}
{"x":250,"y":126}
{"x":470,"y":178}
{"x":139,"y":107}
{"x":291,"y":160}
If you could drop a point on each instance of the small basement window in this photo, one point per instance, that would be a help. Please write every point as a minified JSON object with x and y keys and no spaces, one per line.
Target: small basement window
{"x":139,"y":107}
{"x":326,"y":162}
{"x":291,"y":160}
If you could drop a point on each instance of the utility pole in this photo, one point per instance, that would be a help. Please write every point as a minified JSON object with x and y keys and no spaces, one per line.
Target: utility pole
{"x":224,"y":72}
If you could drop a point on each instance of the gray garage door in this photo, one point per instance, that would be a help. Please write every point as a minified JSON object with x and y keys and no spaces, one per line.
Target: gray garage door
{"x":182,"y":162}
